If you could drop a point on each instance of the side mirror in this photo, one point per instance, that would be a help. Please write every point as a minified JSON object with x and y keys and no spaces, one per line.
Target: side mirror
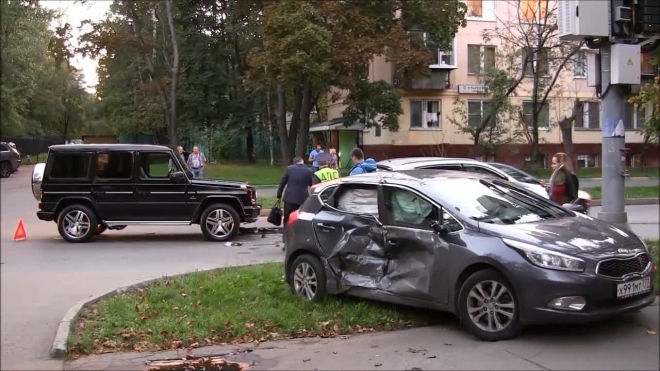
{"x":573,"y":207}
{"x":178,"y":175}
{"x":439,"y":228}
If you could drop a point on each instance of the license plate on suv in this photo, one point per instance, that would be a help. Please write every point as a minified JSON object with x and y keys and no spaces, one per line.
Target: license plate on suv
{"x":632,"y":288}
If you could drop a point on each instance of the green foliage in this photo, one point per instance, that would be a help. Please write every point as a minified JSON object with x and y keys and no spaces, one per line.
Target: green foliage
{"x":377,"y":103}
{"x":649,"y":96}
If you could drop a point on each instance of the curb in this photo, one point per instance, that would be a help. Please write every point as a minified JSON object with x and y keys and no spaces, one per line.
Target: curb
{"x":59,"y":348}
{"x":628,"y":201}
{"x":634,"y":201}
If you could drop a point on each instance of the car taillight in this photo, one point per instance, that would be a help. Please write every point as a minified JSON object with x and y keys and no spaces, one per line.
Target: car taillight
{"x":39,"y":204}
{"x":252,"y":196}
{"x":293,"y":217}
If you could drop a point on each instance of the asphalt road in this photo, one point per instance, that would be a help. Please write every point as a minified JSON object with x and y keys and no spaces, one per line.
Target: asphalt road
{"x":43,"y":276}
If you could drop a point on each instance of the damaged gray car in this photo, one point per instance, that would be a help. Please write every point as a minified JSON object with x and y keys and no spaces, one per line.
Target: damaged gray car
{"x":494,"y":254}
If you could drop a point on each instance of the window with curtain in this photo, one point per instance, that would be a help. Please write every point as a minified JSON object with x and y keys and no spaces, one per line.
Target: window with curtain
{"x":477,"y":112}
{"x":533,"y":10}
{"x":425,"y":114}
{"x":580,"y":64}
{"x":537,"y":61}
{"x":590,"y":118}
{"x":475,"y":8}
{"x":480,"y":57}
{"x":544,"y":115}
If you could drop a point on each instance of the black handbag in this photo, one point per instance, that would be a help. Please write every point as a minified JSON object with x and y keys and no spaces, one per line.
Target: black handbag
{"x":275,"y":215}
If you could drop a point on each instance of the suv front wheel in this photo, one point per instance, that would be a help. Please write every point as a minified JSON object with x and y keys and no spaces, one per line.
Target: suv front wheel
{"x":77,"y":223}
{"x":220,"y":222}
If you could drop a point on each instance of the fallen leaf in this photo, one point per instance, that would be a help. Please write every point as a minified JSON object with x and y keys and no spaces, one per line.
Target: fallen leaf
{"x":307,"y":359}
{"x":448,"y":344}
{"x":334,"y":352}
{"x":194,"y":345}
{"x":137,"y":309}
{"x":430,"y":357}
{"x":336,"y":328}
{"x":378,"y":364}
{"x":183,"y":294}
{"x":175,"y":308}
{"x":651,"y":332}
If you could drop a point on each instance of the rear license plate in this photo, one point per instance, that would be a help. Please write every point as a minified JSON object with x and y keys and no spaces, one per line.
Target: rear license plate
{"x":632,"y":288}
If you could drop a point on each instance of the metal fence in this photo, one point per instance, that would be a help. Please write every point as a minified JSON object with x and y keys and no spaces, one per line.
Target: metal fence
{"x":36,"y":149}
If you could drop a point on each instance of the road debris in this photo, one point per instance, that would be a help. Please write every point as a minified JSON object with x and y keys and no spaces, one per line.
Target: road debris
{"x":197,"y":364}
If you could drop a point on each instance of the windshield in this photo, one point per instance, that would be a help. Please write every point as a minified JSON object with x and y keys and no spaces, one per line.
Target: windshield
{"x":496,"y":202}
{"x":516,"y":174}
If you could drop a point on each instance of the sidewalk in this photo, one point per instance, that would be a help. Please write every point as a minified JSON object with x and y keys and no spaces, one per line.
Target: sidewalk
{"x":586,"y":347}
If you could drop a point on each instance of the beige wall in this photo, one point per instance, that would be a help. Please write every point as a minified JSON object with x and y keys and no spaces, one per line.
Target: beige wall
{"x":568,"y":88}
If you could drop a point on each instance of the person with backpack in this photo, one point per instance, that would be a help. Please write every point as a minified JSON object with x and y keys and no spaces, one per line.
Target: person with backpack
{"x":360,"y":164}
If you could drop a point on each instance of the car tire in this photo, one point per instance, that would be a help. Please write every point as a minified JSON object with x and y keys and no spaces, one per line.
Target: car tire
{"x":215,"y":214}
{"x":5,"y":169}
{"x":489,"y":313}
{"x":304,"y":272}
{"x":101,"y":228}
{"x":82,"y":214}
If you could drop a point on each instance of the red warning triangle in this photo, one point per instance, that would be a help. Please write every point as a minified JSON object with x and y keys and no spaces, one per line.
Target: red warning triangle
{"x":20,"y":235}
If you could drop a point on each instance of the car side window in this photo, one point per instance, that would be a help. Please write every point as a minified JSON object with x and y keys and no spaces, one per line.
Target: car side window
{"x":450,"y":222}
{"x":114,"y":165}
{"x":356,"y":199}
{"x":481,"y":170}
{"x":4,"y":148}
{"x":444,"y":167}
{"x":69,"y":165}
{"x":326,"y":193}
{"x":155,"y":165}
{"x":407,"y":209}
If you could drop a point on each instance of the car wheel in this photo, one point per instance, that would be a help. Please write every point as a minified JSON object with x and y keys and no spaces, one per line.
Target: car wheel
{"x":220,"y":222}
{"x":77,"y":223}
{"x":307,"y":278}
{"x":487,"y":306}
{"x":101,"y":228}
{"x":5,"y":169}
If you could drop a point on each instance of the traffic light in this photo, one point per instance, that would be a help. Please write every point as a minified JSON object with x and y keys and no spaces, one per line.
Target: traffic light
{"x":646,"y":17}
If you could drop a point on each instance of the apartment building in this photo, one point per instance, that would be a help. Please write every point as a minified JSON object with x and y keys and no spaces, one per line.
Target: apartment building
{"x":424,"y":127}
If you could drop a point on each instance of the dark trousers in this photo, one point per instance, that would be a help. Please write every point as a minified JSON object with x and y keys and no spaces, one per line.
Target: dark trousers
{"x":288,"y":209}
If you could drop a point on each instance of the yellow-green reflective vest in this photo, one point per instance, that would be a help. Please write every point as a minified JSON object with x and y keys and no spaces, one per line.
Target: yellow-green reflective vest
{"x":327,"y":174}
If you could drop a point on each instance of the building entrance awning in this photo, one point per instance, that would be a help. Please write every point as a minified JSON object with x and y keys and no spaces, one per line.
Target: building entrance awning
{"x":335,"y":124}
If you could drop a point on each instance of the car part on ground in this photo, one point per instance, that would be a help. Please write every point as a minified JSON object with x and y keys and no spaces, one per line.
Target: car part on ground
{"x":486,"y":250}
{"x":89,"y":188}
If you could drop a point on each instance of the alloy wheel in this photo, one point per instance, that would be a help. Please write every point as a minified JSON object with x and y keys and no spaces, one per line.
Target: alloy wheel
{"x":490,"y":306}
{"x":305,"y":283}
{"x":5,"y":170}
{"x":76,"y":224}
{"x":220,"y":223}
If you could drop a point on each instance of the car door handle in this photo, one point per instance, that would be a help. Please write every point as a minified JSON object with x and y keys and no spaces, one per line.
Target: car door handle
{"x":325,"y":226}
{"x":392,"y":243}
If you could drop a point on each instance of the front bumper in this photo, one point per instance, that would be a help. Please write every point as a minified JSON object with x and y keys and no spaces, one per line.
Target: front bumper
{"x":543,"y":285}
{"x":47,"y":216}
{"x":252,"y":213}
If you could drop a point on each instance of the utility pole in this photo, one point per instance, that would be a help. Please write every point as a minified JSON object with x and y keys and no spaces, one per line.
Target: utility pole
{"x":617,"y":31}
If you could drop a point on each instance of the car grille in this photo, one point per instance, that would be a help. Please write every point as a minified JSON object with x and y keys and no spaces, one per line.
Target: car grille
{"x":618,"y":268}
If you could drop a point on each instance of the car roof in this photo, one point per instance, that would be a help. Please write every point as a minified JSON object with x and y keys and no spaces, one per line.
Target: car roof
{"x":413,"y":160}
{"x":409,"y":177}
{"x":106,"y":147}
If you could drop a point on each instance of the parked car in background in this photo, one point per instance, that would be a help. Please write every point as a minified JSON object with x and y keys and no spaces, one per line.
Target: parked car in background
{"x":460,"y":164}
{"x":10,"y":160}
{"x":485,"y":249}
{"x":88,"y":188}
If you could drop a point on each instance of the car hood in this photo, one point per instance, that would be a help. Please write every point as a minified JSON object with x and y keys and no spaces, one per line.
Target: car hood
{"x":579,"y":235}
{"x":219,"y":183}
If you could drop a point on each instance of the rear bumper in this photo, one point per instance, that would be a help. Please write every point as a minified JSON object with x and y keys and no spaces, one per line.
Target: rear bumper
{"x":252,"y":213}
{"x":47,"y":216}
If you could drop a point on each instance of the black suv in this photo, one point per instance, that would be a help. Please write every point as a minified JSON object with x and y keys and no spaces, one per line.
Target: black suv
{"x":88,"y":188}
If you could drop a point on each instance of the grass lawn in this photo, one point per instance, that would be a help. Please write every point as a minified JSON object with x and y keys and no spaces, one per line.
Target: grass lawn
{"x":631,"y":192}
{"x":255,"y":174}
{"x":228,"y":306}
{"x":654,"y":247}
{"x":266,"y":202}
{"x":584,"y":173}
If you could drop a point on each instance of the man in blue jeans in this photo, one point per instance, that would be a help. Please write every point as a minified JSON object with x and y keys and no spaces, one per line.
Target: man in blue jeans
{"x":312,"y":155}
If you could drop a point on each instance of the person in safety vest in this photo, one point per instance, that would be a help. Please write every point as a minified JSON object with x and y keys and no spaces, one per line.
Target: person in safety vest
{"x":324,"y":173}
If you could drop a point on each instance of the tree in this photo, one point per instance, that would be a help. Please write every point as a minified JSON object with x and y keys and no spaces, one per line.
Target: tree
{"x":534,"y":60}
{"x":649,"y":96}
{"x":313,"y":46}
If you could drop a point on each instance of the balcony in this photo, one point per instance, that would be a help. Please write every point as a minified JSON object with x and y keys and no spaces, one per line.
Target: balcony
{"x":438,"y":80}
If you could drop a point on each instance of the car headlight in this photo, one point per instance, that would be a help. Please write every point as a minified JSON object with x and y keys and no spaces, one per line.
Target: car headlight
{"x":546,"y":258}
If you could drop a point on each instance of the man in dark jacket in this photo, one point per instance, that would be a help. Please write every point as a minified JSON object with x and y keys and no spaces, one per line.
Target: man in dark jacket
{"x":297,"y":179}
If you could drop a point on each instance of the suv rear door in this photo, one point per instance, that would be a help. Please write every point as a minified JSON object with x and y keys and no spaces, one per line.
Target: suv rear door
{"x":161,"y":198}
{"x":113,"y":185}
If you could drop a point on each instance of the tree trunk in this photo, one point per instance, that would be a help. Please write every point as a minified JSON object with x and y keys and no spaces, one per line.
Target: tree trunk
{"x":281,"y":122}
{"x":175,"y":74}
{"x":270,"y":127}
{"x":304,"y":119}
{"x":249,"y":145}
{"x":295,"y":121}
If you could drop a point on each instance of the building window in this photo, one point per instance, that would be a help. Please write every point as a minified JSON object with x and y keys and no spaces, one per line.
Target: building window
{"x":537,"y":61}
{"x":590,"y":118}
{"x":477,"y":112}
{"x":580,"y":64}
{"x":544,"y":115}
{"x":634,"y":117}
{"x":425,"y":114}
{"x":480,"y":57}
{"x":587,"y":161}
{"x":377,"y":130}
{"x":480,"y":10}
{"x":439,"y":58}
{"x":533,"y":11}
